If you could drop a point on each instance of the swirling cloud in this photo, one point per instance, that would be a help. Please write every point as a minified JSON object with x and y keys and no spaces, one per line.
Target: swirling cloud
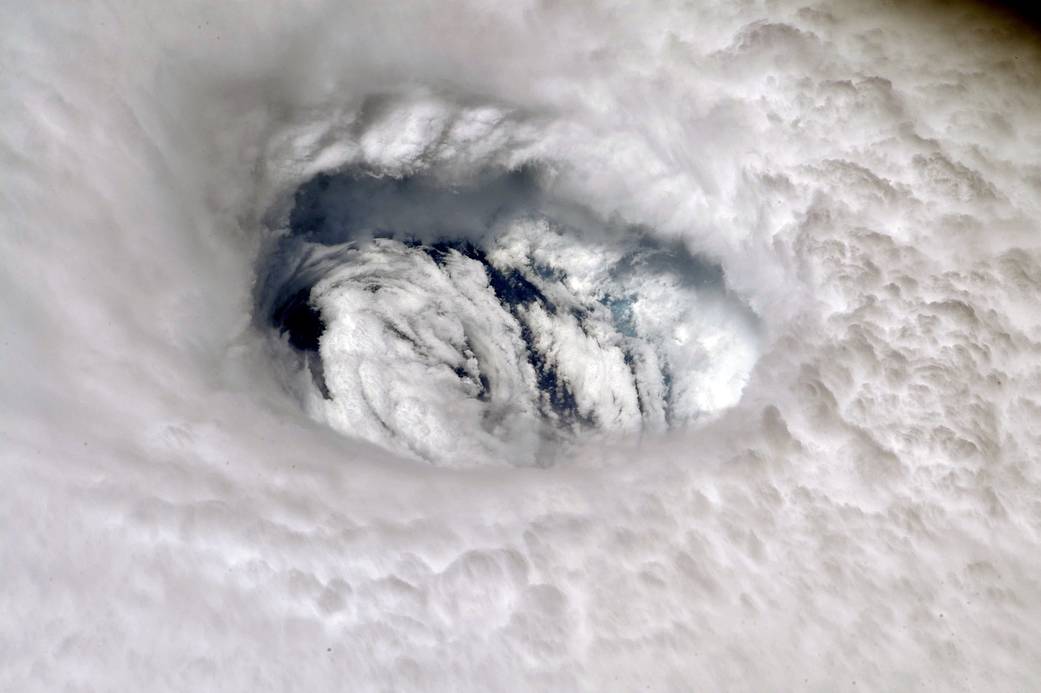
{"x":687,"y":346}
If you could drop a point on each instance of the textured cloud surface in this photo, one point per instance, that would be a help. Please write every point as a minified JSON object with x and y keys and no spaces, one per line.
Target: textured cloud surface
{"x":688,"y":346}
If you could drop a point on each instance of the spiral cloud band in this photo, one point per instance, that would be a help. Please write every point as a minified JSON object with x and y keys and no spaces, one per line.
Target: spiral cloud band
{"x":520,"y":346}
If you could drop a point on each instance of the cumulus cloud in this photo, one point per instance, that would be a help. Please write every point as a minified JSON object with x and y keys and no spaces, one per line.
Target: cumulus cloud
{"x":780,"y":260}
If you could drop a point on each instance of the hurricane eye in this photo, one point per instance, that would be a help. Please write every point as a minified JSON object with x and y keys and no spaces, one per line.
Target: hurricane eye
{"x":493,"y":322}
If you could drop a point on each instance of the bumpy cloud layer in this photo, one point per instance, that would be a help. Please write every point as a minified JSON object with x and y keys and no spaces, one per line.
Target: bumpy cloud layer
{"x":765,"y":293}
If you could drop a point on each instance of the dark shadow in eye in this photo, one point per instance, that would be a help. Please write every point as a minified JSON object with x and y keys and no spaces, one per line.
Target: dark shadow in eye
{"x":511,"y":287}
{"x":297,"y":317}
{"x":303,"y":325}
{"x":354,"y":205}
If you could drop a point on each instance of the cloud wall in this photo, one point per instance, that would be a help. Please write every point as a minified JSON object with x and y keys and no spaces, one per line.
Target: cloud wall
{"x":865,"y":178}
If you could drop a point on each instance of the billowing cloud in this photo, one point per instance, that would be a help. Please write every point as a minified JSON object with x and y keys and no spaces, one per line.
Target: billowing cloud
{"x":550,"y":345}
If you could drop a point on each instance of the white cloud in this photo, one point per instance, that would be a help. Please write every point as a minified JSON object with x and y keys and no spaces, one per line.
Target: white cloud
{"x":865,"y":175}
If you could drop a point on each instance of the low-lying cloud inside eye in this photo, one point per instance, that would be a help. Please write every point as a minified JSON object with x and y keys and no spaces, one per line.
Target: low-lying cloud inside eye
{"x":474,"y":325}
